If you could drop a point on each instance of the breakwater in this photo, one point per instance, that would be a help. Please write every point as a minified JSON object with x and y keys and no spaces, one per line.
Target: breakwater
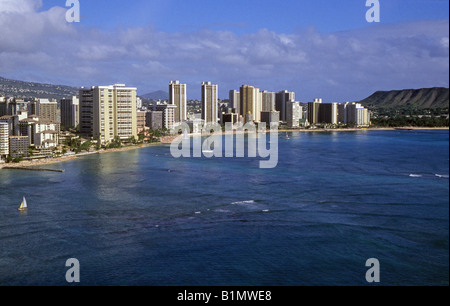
{"x":34,"y":169}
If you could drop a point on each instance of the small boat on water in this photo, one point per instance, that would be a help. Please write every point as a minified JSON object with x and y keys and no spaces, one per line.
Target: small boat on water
{"x":286,"y":136}
{"x":23,"y":205}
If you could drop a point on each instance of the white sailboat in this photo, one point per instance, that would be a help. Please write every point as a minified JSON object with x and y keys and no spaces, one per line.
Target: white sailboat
{"x":286,"y":136}
{"x":23,"y":205}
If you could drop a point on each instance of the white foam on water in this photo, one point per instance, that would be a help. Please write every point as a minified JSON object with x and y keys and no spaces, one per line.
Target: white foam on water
{"x":442,"y":175}
{"x":243,"y":202}
{"x":415,"y":175}
{"x":222,"y":211}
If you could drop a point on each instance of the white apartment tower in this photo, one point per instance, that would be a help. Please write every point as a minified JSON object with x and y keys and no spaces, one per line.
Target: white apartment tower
{"x":178,"y":97}
{"x":235,"y":101}
{"x":210,"y":102}
{"x":4,"y":140}
{"x":293,"y":114}
{"x":107,"y":112}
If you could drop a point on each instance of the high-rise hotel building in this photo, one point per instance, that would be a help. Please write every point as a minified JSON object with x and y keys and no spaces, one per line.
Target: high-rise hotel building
{"x":250,"y":104}
{"x":4,"y":140}
{"x":210,"y":102}
{"x":70,"y":112}
{"x":281,"y":98}
{"x":107,"y":112}
{"x":178,"y":97}
{"x":235,"y":101}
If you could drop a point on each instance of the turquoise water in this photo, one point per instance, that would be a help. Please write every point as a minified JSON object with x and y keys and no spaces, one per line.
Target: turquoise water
{"x":334,"y":201}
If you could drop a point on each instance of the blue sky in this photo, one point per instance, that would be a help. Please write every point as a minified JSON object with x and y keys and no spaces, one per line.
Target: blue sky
{"x":317,"y":48}
{"x":244,"y":16}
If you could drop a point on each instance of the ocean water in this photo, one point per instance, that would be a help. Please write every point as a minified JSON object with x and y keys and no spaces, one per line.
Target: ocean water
{"x":142,"y":217}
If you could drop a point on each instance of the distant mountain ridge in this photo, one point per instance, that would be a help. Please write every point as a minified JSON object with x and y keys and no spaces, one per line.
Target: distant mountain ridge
{"x":156,"y":95}
{"x":436,"y":97}
{"x":21,"y":89}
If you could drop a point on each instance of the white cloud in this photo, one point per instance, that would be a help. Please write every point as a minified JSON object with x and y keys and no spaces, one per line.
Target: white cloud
{"x":341,"y":66}
{"x":19,"y":6}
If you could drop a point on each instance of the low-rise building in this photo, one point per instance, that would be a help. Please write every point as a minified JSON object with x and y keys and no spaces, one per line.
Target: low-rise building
{"x":154,"y":120}
{"x":18,"y":146}
{"x":270,"y":117}
{"x":168,"y":114}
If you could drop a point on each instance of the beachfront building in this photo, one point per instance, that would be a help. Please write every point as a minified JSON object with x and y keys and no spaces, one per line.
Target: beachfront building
{"x":210,"y":102}
{"x":46,"y":134}
{"x":323,"y":113}
{"x":328,"y":113}
{"x":107,"y":112}
{"x":4,"y":140}
{"x":70,"y":112}
{"x":270,"y":117}
{"x":353,"y":114}
{"x":178,"y":98}
{"x":293,"y":114}
{"x":250,"y":104}
{"x":168,"y":114}
{"x":18,"y":146}
{"x":281,"y":98}
{"x":313,"y":111}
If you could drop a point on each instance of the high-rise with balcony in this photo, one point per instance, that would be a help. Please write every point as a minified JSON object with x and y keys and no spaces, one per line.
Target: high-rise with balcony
{"x":268,"y":101}
{"x":281,"y":98}
{"x":107,"y":112}
{"x":47,"y":109}
{"x":293,"y":114}
{"x":250,"y":104}
{"x":210,"y":102}
{"x":70,"y":112}
{"x":178,"y":97}
{"x":235,"y":101}
{"x":313,"y":111}
{"x":4,"y":140}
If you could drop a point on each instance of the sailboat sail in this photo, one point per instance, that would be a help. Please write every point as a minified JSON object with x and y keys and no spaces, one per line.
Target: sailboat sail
{"x":24,"y":205}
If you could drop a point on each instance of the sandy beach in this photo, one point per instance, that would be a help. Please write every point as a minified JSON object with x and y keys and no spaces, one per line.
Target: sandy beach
{"x":49,"y":161}
{"x":168,"y":139}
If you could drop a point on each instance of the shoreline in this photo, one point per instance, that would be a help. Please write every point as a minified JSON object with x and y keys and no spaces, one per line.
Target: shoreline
{"x":62,"y":159}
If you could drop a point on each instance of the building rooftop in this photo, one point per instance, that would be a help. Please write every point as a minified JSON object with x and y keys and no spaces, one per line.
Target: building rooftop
{"x":29,"y":120}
